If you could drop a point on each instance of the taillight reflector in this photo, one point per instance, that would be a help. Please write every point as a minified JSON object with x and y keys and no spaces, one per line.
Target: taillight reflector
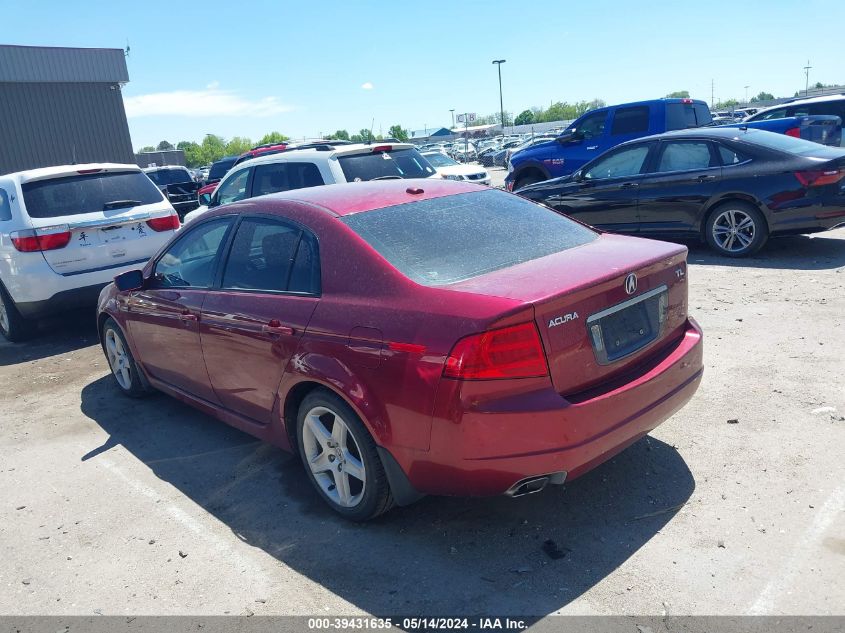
{"x":88,"y":171}
{"x":411,"y":348}
{"x":794,"y":132}
{"x":819,"y":178}
{"x":382,"y":148}
{"x":167,"y":223}
{"x":29,"y":241}
{"x":511,"y":352}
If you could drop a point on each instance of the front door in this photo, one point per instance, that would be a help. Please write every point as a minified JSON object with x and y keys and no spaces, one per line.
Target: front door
{"x":251,"y":326}
{"x":165,"y":315}
{"x":686,"y":175}
{"x":606,"y":194}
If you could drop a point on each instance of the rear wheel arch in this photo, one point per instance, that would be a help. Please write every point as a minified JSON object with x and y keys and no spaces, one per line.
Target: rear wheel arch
{"x":531,"y":173}
{"x":721,"y":202}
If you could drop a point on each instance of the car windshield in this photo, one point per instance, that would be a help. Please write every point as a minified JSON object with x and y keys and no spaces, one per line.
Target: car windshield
{"x":88,"y":193}
{"x":440,"y":160}
{"x":790,"y":144}
{"x":163,"y":177}
{"x":400,"y":163}
{"x":445,"y":240}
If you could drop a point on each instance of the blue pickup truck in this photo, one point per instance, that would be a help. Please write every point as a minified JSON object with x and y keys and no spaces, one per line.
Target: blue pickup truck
{"x":597,"y":131}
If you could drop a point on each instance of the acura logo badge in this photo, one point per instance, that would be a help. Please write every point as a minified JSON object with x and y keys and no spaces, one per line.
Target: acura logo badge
{"x":631,"y":284}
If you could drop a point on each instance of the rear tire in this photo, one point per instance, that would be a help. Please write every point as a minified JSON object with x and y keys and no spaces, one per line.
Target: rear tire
{"x":129,"y":379}
{"x":736,"y":229}
{"x":340,"y":457}
{"x":12,"y":325}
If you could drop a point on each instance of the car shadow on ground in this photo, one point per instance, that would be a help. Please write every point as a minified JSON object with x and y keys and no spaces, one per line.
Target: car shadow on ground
{"x":54,"y":336}
{"x":531,"y":555}
{"x":798,"y":252}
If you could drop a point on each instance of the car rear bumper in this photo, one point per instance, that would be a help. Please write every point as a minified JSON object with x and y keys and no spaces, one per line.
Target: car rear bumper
{"x":62,"y":301}
{"x":484,"y":439}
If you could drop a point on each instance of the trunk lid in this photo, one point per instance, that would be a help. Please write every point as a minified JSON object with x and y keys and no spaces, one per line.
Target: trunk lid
{"x":592,"y":328}
{"x":105,"y":210}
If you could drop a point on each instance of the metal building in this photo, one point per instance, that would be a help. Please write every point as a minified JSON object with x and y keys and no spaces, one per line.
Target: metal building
{"x":62,"y":106}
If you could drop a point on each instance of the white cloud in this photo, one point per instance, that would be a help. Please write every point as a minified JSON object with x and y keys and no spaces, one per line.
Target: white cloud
{"x":367,"y":86}
{"x":198,"y":103}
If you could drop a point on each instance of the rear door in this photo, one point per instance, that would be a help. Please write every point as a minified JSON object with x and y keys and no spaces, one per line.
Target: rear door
{"x":684,"y":176}
{"x":606,"y":194}
{"x":106,"y":212}
{"x":251,"y":324}
{"x":164,"y":320}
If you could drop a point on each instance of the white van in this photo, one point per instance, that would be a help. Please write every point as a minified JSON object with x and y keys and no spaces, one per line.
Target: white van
{"x":66,"y":231}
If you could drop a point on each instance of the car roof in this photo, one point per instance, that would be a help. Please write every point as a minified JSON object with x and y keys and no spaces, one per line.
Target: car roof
{"x":701,"y":132}
{"x":160,"y":167}
{"x":357,"y":197}
{"x":58,"y":171}
{"x":320,"y":153}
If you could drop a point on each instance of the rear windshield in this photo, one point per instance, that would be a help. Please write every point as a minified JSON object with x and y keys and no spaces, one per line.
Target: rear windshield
{"x":445,"y":240}
{"x":680,"y":116}
{"x":440,"y":160}
{"x":401,"y":163}
{"x":88,"y":193}
{"x":790,"y":144}
{"x":164,"y":177}
{"x":221,"y":167}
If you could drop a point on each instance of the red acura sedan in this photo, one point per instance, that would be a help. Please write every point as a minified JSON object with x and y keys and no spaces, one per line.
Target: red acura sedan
{"x":411,"y":337}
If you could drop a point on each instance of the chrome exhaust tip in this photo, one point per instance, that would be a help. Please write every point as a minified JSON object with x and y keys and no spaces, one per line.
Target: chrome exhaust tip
{"x":530,"y":485}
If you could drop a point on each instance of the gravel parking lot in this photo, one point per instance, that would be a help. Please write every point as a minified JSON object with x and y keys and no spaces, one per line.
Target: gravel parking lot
{"x":734,"y":505}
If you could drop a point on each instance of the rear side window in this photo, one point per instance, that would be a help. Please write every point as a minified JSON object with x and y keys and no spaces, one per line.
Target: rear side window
{"x":88,"y":193}
{"x":402,"y":163}
{"x":277,"y":177}
{"x":445,"y":240}
{"x":189,"y":262}
{"x":685,"y":155}
{"x":5,"y":207}
{"x":832,"y":108}
{"x":270,"y":255}
{"x":630,"y":120}
{"x":731,"y":156}
{"x":680,"y":116}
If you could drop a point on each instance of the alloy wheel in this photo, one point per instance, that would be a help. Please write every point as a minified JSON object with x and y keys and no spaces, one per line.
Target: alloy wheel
{"x":118,"y":359}
{"x":734,"y":230}
{"x":334,"y":457}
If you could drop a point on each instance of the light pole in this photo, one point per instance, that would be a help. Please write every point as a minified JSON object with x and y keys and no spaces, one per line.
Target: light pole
{"x":453,"y":117}
{"x":746,"y":95}
{"x":499,"y":63}
{"x":807,"y":77}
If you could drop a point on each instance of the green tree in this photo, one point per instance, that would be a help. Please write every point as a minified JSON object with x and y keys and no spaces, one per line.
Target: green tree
{"x":146,"y":148}
{"x":164,"y":146}
{"x":238,"y":145}
{"x":212,"y":148}
{"x":273,"y":137}
{"x":525,"y":117}
{"x":763,"y":96}
{"x":678,"y":94}
{"x":398,"y":132}
{"x":340,"y":135}
{"x":193,"y":153}
{"x":365,"y":135}
{"x":726,"y":105}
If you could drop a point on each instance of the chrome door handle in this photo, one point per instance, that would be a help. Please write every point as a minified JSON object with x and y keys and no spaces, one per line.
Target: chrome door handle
{"x":275,"y":327}
{"x":188,"y":317}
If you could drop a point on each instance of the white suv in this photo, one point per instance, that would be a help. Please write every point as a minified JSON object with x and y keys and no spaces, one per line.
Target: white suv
{"x":66,"y":231}
{"x":314,"y":166}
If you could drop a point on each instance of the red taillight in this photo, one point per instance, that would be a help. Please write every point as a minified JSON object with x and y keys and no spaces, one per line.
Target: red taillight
{"x":818,"y":177}
{"x":30,"y":241}
{"x":686,"y":100}
{"x":794,"y":132}
{"x":167,"y":223}
{"x":88,"y":171}
{"x":510,"y":352}
{"x":382,"y":148}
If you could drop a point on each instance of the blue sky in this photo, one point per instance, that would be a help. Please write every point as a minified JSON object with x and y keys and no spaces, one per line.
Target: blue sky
{"x":302,"y":68}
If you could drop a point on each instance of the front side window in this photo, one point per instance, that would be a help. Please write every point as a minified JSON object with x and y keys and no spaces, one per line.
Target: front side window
{"x":685,"y":155}
{"x":625,"y":162}
{"x":276,"y":177}
{"x":777,"y":113}
{"x":630,"y":120}
{"x":592,"y":125}
{"x":270,"y":255}
{"x":189,"y":262}
{"x":234,"y":188}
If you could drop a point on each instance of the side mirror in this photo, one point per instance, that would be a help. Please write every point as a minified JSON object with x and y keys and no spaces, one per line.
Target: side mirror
{"x":130,"y":280}
{"x":205,"y":199}
{"x":569,"y":136}
{"x":578,"y":176}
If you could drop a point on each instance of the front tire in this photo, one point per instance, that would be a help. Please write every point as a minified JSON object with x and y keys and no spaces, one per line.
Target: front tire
{"x":12,"y":325}
{"x":736,"y":229}
{"x":524,"y":181}
{"x":128,"y":377}
{"x":340,"y":457}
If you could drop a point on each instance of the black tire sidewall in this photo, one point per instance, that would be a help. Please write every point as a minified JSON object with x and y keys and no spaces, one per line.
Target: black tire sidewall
{"x":761,"y":229}
{"x":138,"y":387}
{"x":376,"y":486}
{"x":19,"y":328}
{"x":524,"y":181}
